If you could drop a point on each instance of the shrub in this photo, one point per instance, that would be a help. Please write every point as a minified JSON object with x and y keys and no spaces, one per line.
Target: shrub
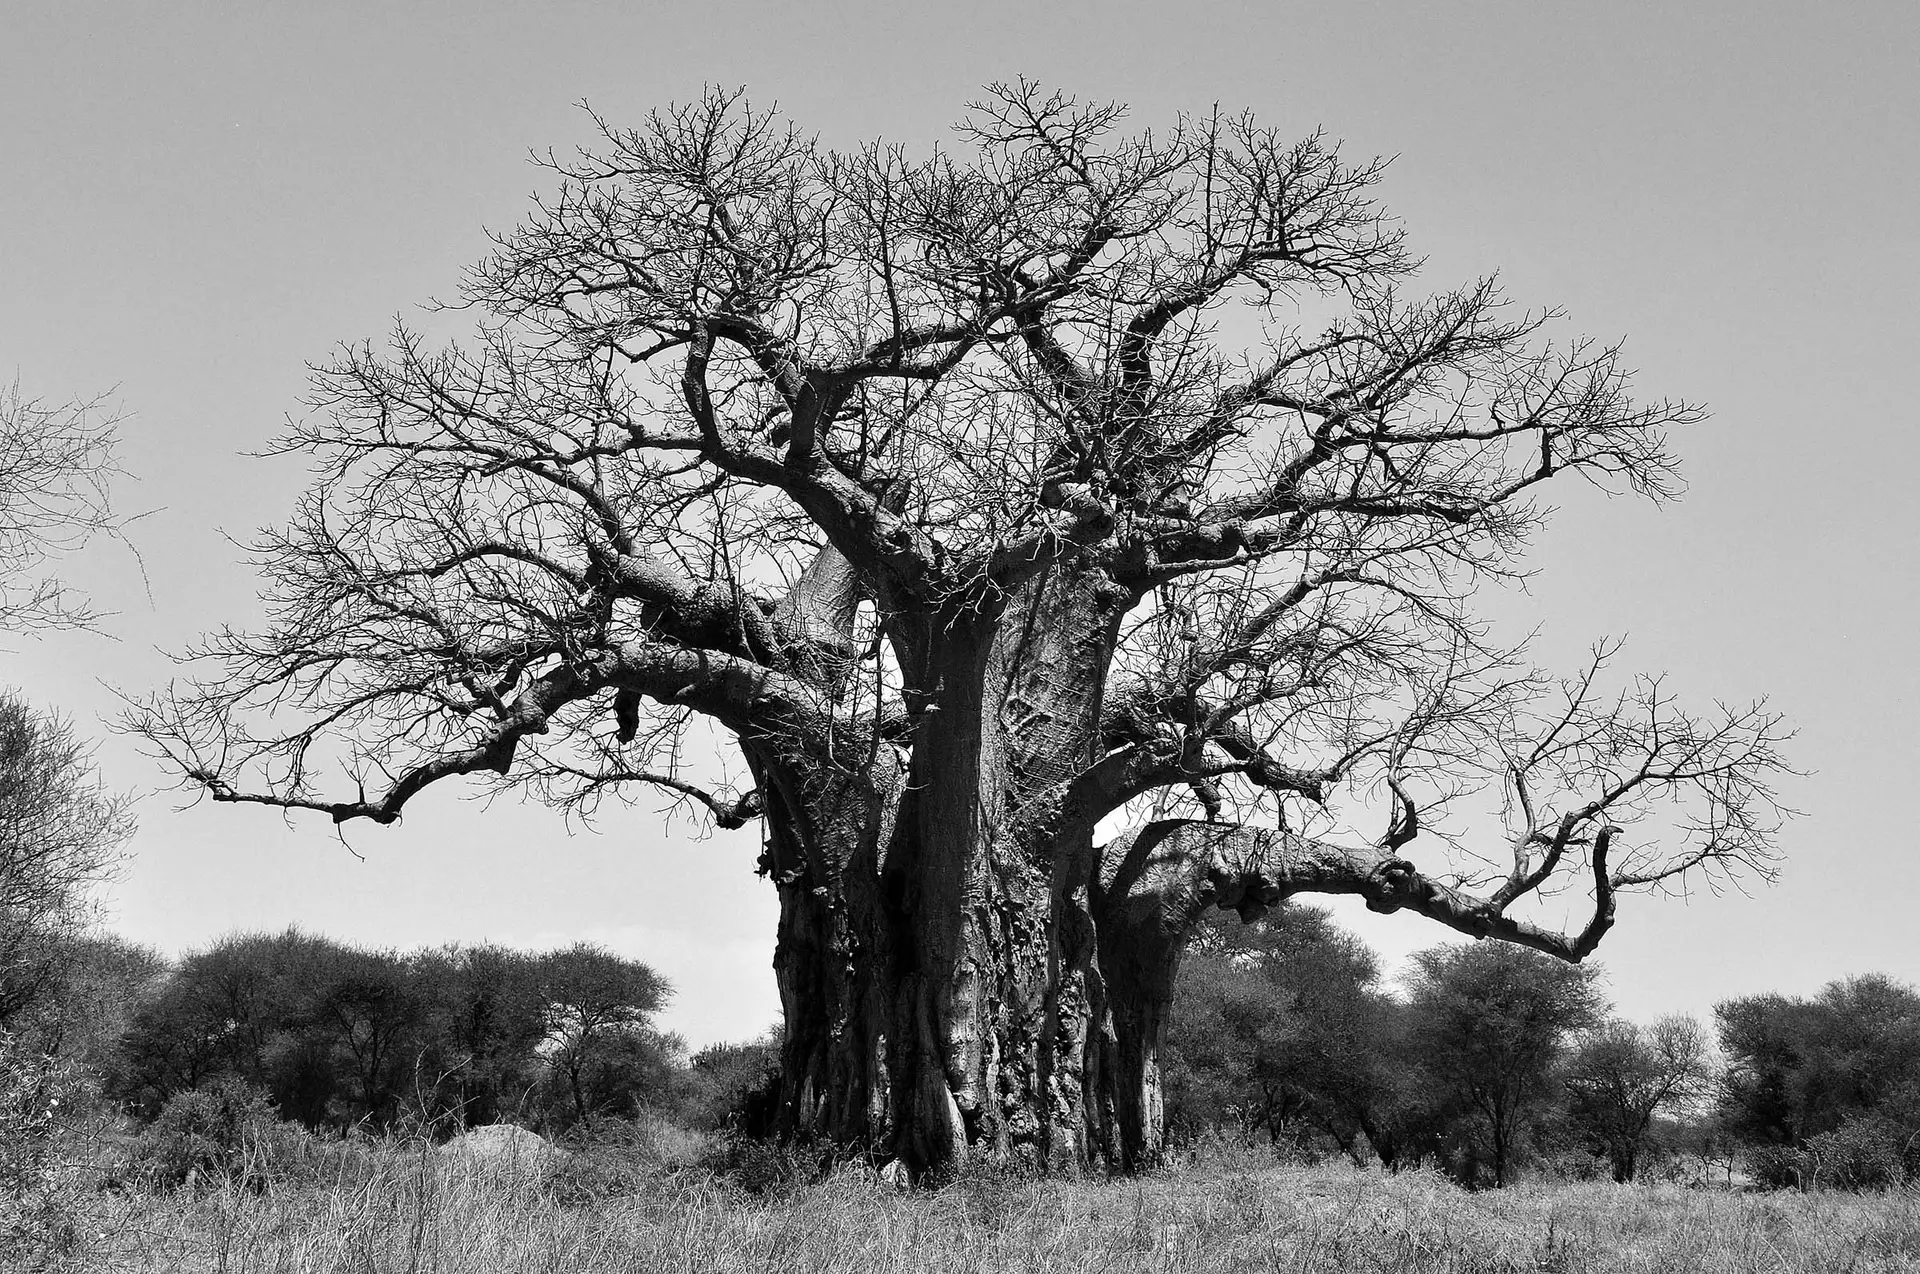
{"x":227,"y":1129}
{"x":617,"y":1157}
{"x":34,"y":1088}
{"x":759,"y":1165}
{"x":49,"y":1128}
{"x":1865,"y":1152}
{"x":733,"y":1086}
{"x":1776,"y":1167}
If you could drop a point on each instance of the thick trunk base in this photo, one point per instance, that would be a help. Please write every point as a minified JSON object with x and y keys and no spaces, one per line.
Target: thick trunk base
{"x":1029,"y":1049}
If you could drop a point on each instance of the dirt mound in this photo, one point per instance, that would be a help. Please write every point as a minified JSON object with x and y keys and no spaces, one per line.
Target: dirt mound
{"x":503,"y":1150}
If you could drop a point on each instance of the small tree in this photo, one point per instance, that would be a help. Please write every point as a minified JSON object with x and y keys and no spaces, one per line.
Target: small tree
{"x":60,"y":831}
{"x":103,"y":983}
{"x":599,"y":1026}
{"x":61,"y":834}
{"x":311,"y":1022}
{"x":1408,"y":1114}
{"x":1621,"y":1075}
{"x":1229,"y":1023}
{"x":1278,"y":1020}
{"x":1491,"y":1021}
{"x":368,"y":1006}
{"x":488,"y":1023}
{"x":1708,"y":1144}
{"x":731,"y":1085}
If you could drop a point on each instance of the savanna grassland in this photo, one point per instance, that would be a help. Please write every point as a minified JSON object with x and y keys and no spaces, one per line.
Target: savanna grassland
{"x":397,"y":1206}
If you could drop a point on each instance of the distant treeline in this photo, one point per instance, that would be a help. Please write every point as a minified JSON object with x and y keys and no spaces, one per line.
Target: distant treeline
{"x":1488,"y":1061}
{"x":1494,"y":1057}
{"x":336,"y":1036}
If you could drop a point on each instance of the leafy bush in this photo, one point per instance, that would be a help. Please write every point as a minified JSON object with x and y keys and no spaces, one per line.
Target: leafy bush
{"x":341,"y":1037}
{"x":1864,"y":1153}
{"x":49,"y":1130}
{"x":34,"y":1087}
{"x":1799,"y":1070}
{"x":733,"y":1086}
{"x":226,"y":1130}
{"x":1776,"y":1167}
{"x":760,"y":1166}
{"x":619,"y":1157}
{"x":1279,"y":1029}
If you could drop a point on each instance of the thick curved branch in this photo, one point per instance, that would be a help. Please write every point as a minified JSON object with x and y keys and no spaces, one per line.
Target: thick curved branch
{"x":1167,"y":874}
{"x":707,"y":614}
{"x":1167,"y":760}
{"x":751,"y":700}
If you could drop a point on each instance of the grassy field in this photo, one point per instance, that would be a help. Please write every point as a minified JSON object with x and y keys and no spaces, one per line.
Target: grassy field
{"x":397,"y":1208}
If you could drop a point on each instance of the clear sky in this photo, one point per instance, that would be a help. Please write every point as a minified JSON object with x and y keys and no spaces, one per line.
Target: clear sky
{"x":197,"y":199}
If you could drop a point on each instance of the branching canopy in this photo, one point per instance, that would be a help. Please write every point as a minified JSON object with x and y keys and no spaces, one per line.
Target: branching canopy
{"x":747,"y":423}
{"x":56,"y":464}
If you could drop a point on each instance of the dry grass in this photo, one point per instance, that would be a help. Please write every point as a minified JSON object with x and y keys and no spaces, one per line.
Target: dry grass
{"x":395,"y":1209}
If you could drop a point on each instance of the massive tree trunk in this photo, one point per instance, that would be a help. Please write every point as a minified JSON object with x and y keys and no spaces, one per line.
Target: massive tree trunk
{"x":962,"y":970}
{"x":1018,"y":1011}
{"x":937,"y":959}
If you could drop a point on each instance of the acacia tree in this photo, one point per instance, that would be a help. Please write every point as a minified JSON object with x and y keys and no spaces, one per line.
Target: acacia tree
{"x":1807,"y":1074}
{"x":490,"y":1019}
{"x":369,"y":1008}
{"x":956,"y":494}
{"x":1622,"y":1075}
{"x":599,"y":1008}
{"x":1278,"y":1020}
{"x":1491,"y":1023}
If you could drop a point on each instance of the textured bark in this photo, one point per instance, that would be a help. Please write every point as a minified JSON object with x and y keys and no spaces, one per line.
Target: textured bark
{"x":962,"y":971}
{"x":826,"y":835}
{"x":1153,"y":888}
{"x":937,"y":956}
{"x":1025,"y":1019}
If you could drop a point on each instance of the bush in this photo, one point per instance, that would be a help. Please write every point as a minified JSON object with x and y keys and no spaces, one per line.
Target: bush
{"x":227,"y":1130}
{"x":760,"y":1166}
{"x":1571,"y":1163}
{"x":619,"y":1157}
{"x":733,"y":1087}
{"x":1776,"y":1167}
{"x":1864,"y":1153}
{"x":50,"y":1134}
{"x":34,"y":1087}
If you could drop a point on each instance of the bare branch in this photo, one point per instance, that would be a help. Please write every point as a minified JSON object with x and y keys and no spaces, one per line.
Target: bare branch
{"x":56,"y":465}
{"x":1175,"y":870}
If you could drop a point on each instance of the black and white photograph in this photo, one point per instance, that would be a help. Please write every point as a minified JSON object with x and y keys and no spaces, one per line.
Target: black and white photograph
{"x":1044,"y":637}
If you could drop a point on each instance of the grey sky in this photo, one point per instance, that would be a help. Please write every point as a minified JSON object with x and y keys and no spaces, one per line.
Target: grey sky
{"x":197,"y":199}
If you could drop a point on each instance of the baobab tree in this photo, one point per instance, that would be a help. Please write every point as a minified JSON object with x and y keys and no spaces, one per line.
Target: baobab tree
{"x":985,"y":501}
